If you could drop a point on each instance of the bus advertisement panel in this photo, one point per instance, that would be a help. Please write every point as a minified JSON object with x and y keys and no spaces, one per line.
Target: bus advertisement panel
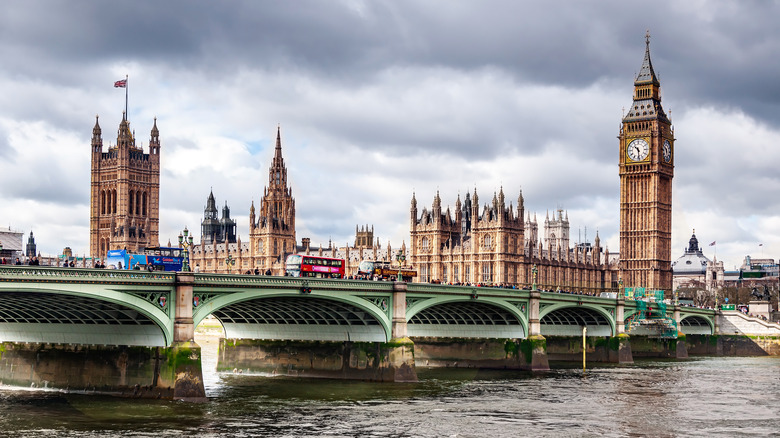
{"x":310,"y":266}
{"x":164,"y":259}
{"x":151,"y":259}
{"x":117,"y":259}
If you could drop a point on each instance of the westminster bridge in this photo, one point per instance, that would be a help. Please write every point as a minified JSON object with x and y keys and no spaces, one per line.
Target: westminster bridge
{"x":132,"y":324}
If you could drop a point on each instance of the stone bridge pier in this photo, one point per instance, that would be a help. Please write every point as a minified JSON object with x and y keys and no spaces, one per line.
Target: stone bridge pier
{"x":186,"y":354}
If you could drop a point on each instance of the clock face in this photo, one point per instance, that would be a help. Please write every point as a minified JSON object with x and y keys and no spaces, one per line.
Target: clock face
{"x":667,"y":151}
{"x":637,"y":150}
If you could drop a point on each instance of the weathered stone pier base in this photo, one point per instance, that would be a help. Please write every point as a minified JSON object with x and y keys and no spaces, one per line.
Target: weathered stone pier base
{"x":374,"y":361}
{"x":142,"y":372}
{"x":733,"y":345}
{"x":619,"y":349}
{"x":513,"y":354}
{"x":649,"y":347}
{"x":614,"y":349}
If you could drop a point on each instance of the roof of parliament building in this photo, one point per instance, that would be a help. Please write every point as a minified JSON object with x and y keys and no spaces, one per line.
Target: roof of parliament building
{"x":693,"y":261}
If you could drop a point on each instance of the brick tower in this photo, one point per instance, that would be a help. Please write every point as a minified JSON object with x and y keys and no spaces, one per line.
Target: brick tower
{"x":646,"y":172}
{"x":125,"y":193}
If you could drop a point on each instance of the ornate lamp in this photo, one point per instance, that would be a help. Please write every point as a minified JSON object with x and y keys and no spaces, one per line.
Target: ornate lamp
{"x":185,"y":241}
{"x":401,"y":258}
{"x":230,"y":262}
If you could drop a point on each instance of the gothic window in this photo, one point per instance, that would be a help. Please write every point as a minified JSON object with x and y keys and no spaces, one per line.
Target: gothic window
{"x":138,"y":202}
{"x":425,"y":244}
{"x":143,"y":210}
{"x":131,"y":202}
{"x":487,"y":273}
{"x":467,"y":274}
{"x":488,"y":242}
{"x":276,"y":247}
{"x":455,"y":273}
{"x":424,"y":273}
{"x":103,"y":202}
{"x":444,"y":274}
{"x":113,"y":201}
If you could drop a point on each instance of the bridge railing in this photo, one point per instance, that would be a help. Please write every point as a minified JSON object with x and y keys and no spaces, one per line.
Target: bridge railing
{"x":248,"y":280}
{"x":54,"y":274}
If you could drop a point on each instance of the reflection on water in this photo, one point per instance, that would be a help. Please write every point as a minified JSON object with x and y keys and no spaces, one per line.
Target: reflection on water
{"x":698,"y":397}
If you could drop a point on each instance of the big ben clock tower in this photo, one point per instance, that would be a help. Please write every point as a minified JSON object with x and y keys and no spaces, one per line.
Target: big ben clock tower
{"x":646,"y":172}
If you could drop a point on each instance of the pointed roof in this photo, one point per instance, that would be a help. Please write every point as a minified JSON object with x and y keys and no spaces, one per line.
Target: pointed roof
{"x":210,"y":202}
{"x":96,"y":131}
{"x":277,"y":172}
{"x":124,"y":135}
{"x":646,"y":106}
{"x":646,"y":73}
{"x":278,"y":151}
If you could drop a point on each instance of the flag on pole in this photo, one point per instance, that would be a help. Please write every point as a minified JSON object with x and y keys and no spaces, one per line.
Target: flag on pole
{"x":713,"y":243}
{"x":760,"y":244}
{"x":120,"y":84}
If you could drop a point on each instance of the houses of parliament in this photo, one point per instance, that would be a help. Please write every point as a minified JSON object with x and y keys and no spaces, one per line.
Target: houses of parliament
{"x":497,"y":242}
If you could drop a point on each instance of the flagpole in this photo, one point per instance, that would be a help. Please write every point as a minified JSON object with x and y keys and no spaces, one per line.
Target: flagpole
{"x":127,"y":85}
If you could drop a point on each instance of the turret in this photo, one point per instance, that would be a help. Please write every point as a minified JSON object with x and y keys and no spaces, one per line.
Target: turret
{"x":437,"y":205}
{"x":124,"y":137}
{"x":474,"y":209}
{"x":154,"y":141}
{"x":521,"y":205}
{"x":413,"y":212}
{"x":31,"y":247}
{"x":458,"y":212}
{"x":252,"y":222}
{"x":97,"y":138}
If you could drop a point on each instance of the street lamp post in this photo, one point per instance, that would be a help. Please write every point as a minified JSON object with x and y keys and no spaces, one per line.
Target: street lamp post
{"x":230,"y":262}
{"x":185,"y":241}
{"x":401,"y":258}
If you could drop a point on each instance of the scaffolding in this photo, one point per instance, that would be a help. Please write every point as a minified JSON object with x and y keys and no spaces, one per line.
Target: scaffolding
{"x":651,"y":314}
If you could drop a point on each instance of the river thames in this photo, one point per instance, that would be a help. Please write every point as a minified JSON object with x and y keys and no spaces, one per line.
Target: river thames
{"x":696,"y":397}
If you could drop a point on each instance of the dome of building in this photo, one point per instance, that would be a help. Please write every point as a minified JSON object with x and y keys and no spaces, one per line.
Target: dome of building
{"x":693,"y":261}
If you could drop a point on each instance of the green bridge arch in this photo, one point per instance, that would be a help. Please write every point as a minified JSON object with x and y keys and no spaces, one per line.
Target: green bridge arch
{"x":83,"y":325}
{"x":494,"y":324}
{"x":309,"y":329}
{"x":582,"y":311}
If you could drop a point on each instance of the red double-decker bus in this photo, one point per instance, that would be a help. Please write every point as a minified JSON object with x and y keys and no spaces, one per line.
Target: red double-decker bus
{"x":311,"y":266}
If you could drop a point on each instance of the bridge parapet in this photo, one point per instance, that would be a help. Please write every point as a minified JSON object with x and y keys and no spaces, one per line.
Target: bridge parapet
{"x":427,"y":287}
{"x":261,"y":281}
{"x":81,"y":275}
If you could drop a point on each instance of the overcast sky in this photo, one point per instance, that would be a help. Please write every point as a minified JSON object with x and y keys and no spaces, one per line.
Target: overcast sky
{"x":381,"y":99}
